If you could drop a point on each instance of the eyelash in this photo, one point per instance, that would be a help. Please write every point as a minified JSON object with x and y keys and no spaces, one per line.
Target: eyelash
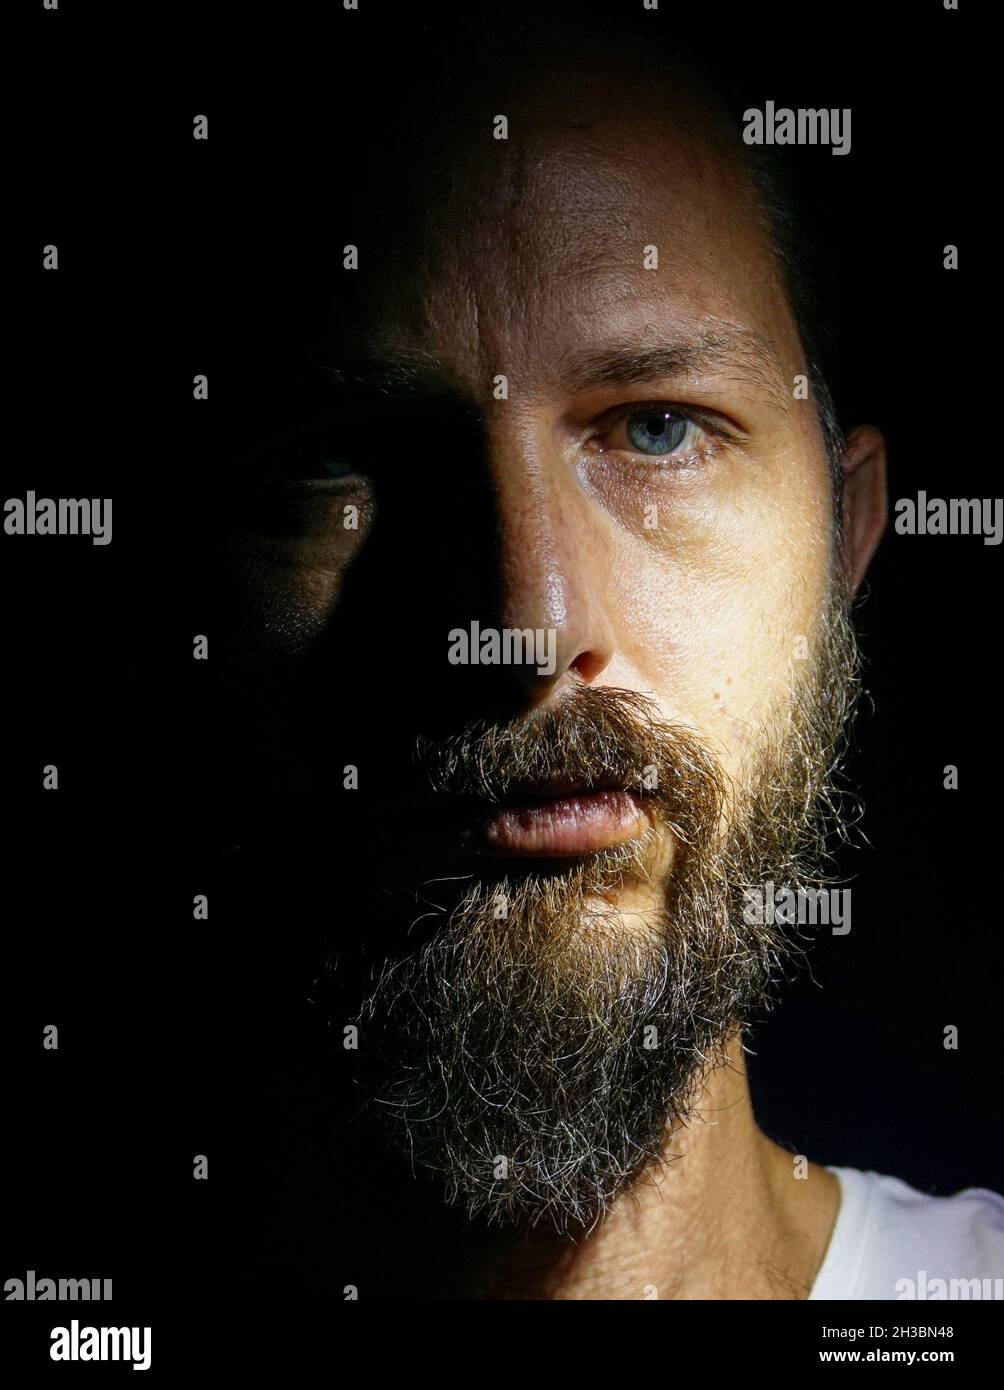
{"x":275,"y":459}
{"x":711,"y":426}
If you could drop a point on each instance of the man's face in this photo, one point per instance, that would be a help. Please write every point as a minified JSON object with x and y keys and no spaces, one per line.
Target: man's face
{"x":690,"y":566}
{"x":648,"y":491}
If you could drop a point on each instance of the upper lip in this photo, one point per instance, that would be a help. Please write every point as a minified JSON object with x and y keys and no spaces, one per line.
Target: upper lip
{"x":462,"y":805}
{"x":560,"y":788}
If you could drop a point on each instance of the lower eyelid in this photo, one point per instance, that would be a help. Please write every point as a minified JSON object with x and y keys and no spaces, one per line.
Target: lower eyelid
{"x":674,"y":462}
{"x":652,"y":464}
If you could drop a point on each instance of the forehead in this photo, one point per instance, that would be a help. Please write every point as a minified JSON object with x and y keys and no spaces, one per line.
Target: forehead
{"x":510,"y":255}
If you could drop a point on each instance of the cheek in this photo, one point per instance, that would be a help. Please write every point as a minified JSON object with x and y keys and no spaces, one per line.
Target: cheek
{"x":287,"y":560}
{"x":716,"y":604}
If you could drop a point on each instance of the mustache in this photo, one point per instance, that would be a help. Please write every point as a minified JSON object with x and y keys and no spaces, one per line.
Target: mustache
{"x":592,"y":739}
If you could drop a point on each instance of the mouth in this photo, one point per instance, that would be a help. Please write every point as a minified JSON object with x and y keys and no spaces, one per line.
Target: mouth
{"x":562,"y":825}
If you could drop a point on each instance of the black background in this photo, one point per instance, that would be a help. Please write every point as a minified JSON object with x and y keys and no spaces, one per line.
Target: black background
{"x":180,"y":1037}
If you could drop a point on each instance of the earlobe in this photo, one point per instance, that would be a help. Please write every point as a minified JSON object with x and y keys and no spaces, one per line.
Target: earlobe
{"x":865,"y":503}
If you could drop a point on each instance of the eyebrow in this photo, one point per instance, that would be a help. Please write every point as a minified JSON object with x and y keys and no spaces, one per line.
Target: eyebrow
{"x":738,"y":352}
{"x":395,"y":373}
{"x":735,"y":351}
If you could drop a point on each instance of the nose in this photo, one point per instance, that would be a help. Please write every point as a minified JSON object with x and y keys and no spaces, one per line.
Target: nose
{"x":553,"y":564}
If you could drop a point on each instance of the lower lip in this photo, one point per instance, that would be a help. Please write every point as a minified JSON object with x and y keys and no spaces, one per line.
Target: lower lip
{"x":567,"y":825}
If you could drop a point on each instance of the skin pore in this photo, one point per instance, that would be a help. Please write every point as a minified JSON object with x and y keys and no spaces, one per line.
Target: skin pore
{"x":691,"y":579}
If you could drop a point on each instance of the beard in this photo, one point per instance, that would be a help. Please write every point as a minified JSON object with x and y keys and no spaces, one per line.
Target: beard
{"x":534,"y":1054}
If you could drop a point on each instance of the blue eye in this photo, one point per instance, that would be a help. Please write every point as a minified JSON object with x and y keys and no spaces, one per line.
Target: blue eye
{"x":328,"y":466}
{"x":310,"y":460}
{"x":656,"y":431}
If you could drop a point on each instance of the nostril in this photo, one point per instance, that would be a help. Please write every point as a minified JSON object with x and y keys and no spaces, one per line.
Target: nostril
{"x":588,"y":665}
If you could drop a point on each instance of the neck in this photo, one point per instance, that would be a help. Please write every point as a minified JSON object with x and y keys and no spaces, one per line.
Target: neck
{"x":728,"y":1215}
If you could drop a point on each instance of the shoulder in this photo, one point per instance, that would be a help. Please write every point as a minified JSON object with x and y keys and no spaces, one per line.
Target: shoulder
{"x":892,"y":1241}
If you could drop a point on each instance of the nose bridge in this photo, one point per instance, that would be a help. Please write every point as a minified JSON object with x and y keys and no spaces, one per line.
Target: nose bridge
{"x":550,"y":563}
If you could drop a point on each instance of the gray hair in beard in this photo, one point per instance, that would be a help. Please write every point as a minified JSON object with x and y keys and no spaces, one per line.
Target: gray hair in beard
{"x":534,"y":1052}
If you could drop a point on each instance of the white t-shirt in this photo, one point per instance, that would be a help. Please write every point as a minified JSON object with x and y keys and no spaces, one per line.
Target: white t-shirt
{"x":892,"y":1242}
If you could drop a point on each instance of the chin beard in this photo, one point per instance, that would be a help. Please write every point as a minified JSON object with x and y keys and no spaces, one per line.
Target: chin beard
{"x":533,"y":1053}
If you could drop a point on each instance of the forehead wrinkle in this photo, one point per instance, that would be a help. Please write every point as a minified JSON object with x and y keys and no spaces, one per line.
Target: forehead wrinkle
{"x":733,"y":351}
{"x":543,"y":253}
{"x":525,"y":301}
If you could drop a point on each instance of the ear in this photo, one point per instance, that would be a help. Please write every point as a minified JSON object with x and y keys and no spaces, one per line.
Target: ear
{"x":865,"y":506}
